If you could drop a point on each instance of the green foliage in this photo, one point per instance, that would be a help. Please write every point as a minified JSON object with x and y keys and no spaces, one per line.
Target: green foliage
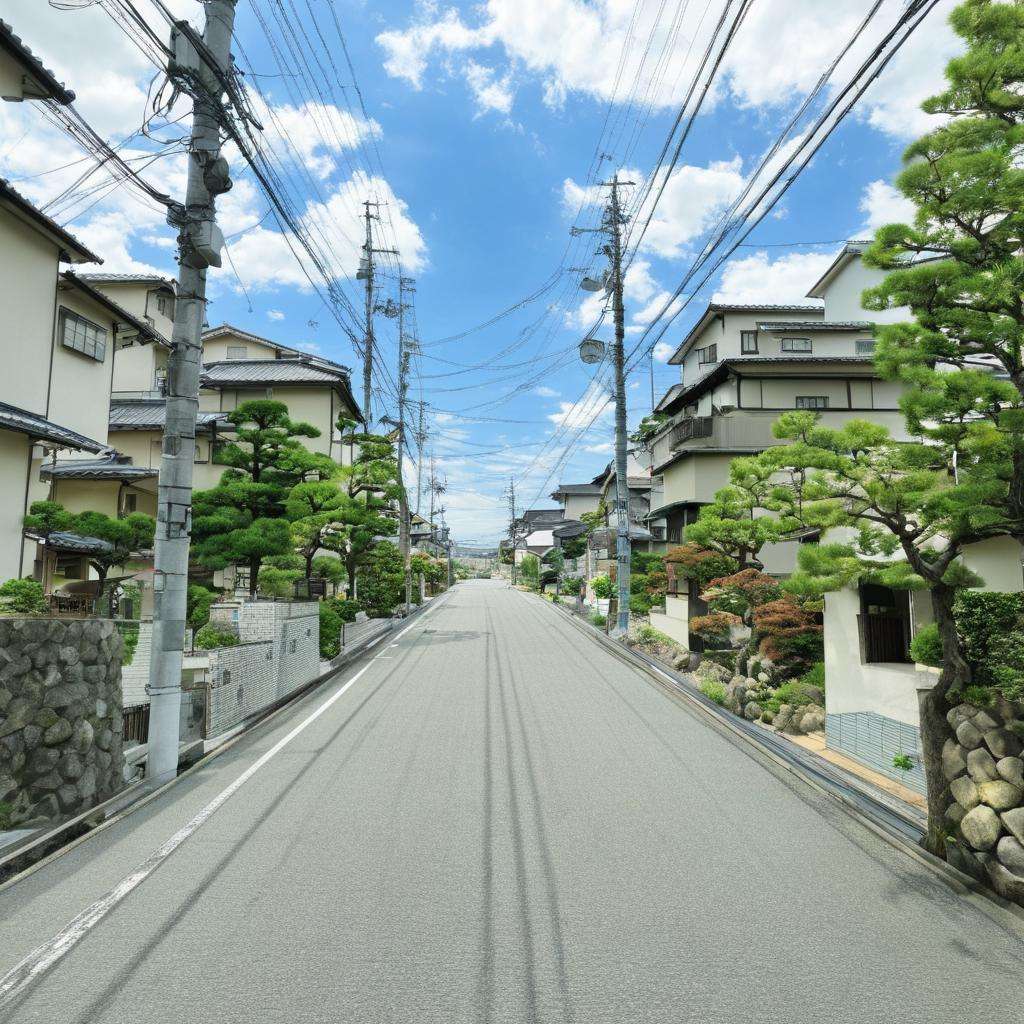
{"x":382,"y":580}
{"x":198,"y":604}
{"x":602,"y":587}
{"x":741,"y":593}
{"x":692,"y":561}
{"x":210,"y":636}
{"x":648,"y":427}
{"x":646,"y":562}
{"x":713,"y":690}
{"x":902,"y":762}
{"x":572,"y":585}
{"x":648,"y":636}
{"x":990,"y":625}
{"x":793,"y":692}
{"x":333,"y":612}
{"x":433,"y":570}
{"x":640,"y":604}
{"x":6,"y":810}
{"x":280,"y":583}
{"x":22,"y":597}
{"x":130,"y":637}
{"x":46,"y":517}
{"x":529,"y":571}
{"x":815,"y":675}
{"x":926,"y":647}
{"x":596,"y":519}
{"x":574,"y":547}
{"x":326,"y":567}
{"x":598,"y":619}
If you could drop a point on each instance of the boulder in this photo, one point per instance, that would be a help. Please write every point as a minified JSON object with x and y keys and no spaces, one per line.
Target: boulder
{"x":1002,"y":743}
{"x":817,"y":695}
{"x":783,"y":717}
{"x":985,"y":721}
{"x":753,"y":711}
{"x":87,"y":784}
{"x":965,"y":792}
{"x":954,"y":814}
{"x":1007,"y":710}
{"x":1012,"y":770}
{"x":19,"y":714}
{"x":1005,"y":882}
{"x":961,"y":713}
{"x":954,"y":760}
{"x":981,"y":766}
{"x":83,"y":736}
{"x":812,"y":721}
{"x":1000,"y":795}
{"x":981,"y":827}
{"x":58,"y":733}
{"x":43,"y":760}
{"x":72,"y":766}
{"x":763,"y":678}
{"x":67,"y":797}
{"x":1010,"y":852}
{"x":964,"y":859}
{"x":7,"y":787}
{"x":1014,"y":822}
{"x":969,"y":735}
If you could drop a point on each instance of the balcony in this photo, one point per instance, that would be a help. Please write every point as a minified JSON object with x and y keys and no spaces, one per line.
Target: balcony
{"x":690,"y":428}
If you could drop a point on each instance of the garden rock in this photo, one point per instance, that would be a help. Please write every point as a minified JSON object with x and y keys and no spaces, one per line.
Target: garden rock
{"x":813,"y":719}
{"x":966,"y":860}
{"x":969,"y":735}
{"x":955,"y":814}
{"x":981,"y":766}
{"x":783,"y":717}
{"x":1014,"y":822}
{"x":753,"y":711}
{"x":965,"y":792}
{"x":1008,"y":884}
{"x":1002,"y":743}
{"x":58,"y":733}
{"x":1010,"y":852}
{"x":960,"y":714}
{"x":981,"y":827}
{"x":1012,"y":770}
{"x":954,"y":761}
{"x":1000,"y":795}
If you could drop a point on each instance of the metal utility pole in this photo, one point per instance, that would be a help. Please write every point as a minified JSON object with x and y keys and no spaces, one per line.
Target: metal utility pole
{"x":421,"y":439}
{"x":404,"y":284}
{"x":366,"y":274}
{"x":614,"y":221}
{"x":199,"y":244}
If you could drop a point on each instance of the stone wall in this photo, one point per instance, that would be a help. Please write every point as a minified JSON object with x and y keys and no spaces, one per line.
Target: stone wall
{"x":60,"y":716}
{"x":985,"y":771}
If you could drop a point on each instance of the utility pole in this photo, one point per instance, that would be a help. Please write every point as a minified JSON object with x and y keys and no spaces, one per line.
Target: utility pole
{"x":421,"y":440}
{"x":199,"y":243}
{"x":404,"y":283}
{"x":614,"y":221}
{"x":366,"y":274}
{"x":611,"y":225}
{"x":511,"y":495}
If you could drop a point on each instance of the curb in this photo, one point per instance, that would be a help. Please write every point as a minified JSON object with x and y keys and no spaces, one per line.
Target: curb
{"x":144,"y":795}
{"x":872,"y":814}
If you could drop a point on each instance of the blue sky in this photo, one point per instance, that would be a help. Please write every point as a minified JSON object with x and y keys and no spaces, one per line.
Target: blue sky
{"x":482,"y":124}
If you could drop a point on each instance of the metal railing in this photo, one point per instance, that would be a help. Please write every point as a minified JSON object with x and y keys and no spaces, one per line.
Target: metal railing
{"x":690,"y":428}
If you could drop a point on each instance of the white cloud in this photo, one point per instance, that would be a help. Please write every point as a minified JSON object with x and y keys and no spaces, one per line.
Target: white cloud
{"x":595,"y":405}
{"x":275,"y":314}
{"x":882,"y":204}
{"x":600,"y":449}
{"x":759,"y":279}
{"x":663,"y":351}
{"x":570,"y":46}
{"x":492,"y":93}
{"x":545,"y":392}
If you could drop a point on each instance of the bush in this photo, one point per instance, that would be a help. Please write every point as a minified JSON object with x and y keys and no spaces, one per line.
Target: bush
{"x":130,"y":635}
{"x":23,"y":597}
{"x":209,"y":637}
{"x":598,"y":619}
{"x":275,"y":582}
{"x":815,"y":675}
{"x":572,"y":585}
{"x":700,"y":564}
{"x":602,"y":586}
{"x":990,"y":625}
{"x":793,"y":692}
{"x":643,"y":562}
{"x":382,"y":580}
{"x":640,"y":604}
{"x":901,"y":761}
{"x":333,"y":612}
{"x":713,"y":690}
{"x":199,"y":600}
{"x":926,"y":647}
{"x":714,"y":627}
{"x":788,"y":633}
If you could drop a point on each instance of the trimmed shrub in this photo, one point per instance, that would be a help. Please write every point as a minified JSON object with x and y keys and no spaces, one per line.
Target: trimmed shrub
{"x":788,"y":633}
{"x":598,"y":619}
{"x":700,"y":564}
{"x":199,"y":600}
{"x":713,"y":690}
{"x":926,"y":647}
{"x":22,"y":597}
{"x":209,"y":637}
{"x":815,"y":675}
{"x":602,"y":587}
{"x":714,"y":627}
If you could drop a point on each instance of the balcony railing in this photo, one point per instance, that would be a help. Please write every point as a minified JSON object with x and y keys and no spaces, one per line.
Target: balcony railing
{"x":690,"y":428}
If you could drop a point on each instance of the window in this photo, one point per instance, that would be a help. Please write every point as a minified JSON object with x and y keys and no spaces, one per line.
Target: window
{"x":165,"y":305}
{"x":812,"y":401}
{"x":865,"y":346}
{"x":83,"y":335}
{"x":707,"y":355}
{"x":131,"y":504}
{"x":202,"y":453}
{"x":796,"y":344}
{"x":237,"y":352}
{"x":748,"y":343}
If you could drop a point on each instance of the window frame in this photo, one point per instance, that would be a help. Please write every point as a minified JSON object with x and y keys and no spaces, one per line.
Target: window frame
{"x":798,"y":351}
{"x":244,"y":349}
{"x":814,"y":399}
{"x":744,"y":336}
{"x":701,"y":353}
{"x":99,"y":345}
{"x":860,"y":351}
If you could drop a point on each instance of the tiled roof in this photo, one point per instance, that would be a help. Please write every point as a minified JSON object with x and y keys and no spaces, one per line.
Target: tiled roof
{"x":15,"y":46}
{"x":670,"y":396}
{"x":151,"y":415}
{"x":95,"y":469}
{"x":589,"y":488}
{"x":270,"y":371}
{"x":222,"y":329}
{"x":814,"y":325}
{"x":42,"y":429}
{"x":129,"y":279}
{"x":76,"y":543}
{"x":72,"y":247}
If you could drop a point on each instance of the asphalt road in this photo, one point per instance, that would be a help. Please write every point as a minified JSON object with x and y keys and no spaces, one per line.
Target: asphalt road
{"x":500,"y":821}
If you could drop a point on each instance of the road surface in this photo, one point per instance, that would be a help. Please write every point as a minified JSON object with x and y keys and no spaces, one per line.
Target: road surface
{"x":499,"y":821}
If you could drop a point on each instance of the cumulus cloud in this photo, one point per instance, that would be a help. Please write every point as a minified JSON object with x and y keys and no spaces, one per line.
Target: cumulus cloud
{"x":545,"y":392}
{"x":492,"y":93}
{"x":593,"y":406}
{"x":275,"y":314}
{"x":881,"y":203}
{"x":663,"y":351}
{"x":759,"y":279}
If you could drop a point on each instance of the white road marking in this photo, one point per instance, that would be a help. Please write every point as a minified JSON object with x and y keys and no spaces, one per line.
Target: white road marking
{"x":46,"y":955}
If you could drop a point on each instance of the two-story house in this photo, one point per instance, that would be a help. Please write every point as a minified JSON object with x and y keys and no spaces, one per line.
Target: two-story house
{"x":577,"y":499}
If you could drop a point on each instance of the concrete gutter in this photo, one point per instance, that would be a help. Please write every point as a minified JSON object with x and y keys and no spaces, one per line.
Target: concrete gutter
{"x":887,"y":821}
{"x":46,"y":845}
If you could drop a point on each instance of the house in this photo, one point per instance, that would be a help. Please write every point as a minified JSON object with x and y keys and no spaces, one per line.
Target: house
{"x":871,"y":698}
{"x":59,"y":335}
{"x":740,"y":367}
{"x":577,"y":499}
{"x":532,"y":532}
{"x":22,"y":74}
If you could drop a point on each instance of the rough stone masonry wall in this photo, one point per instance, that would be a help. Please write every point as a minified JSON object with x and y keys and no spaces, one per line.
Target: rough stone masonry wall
{"x":60,"y":716}
{"x":985,"y":770}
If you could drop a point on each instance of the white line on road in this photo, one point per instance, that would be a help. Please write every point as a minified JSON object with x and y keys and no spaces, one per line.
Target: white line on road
{"x":46,"y":955}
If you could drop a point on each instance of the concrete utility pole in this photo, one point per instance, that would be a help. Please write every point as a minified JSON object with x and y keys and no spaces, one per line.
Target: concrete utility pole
{"x":614,"y":221}
{"x":421,"y":440}
{"x":511,"y":495}
{"x":404,"y":284}
{"x":199,"y":243}
{"x":366,"y":273}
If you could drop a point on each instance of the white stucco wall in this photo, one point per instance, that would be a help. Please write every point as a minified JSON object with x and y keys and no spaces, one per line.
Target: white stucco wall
{"x":135,"y":368}
{"x":14,"y":453}
{"x":842,"y":297}
{"x":28,"y":281}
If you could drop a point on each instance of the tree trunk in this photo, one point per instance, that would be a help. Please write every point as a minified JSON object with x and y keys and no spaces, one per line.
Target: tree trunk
{"x":254,"y":572}
{"x":350,"y":568}
{"x":101,"y":579}
{"x":933,"y":705}
{"x":309,"y":562}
